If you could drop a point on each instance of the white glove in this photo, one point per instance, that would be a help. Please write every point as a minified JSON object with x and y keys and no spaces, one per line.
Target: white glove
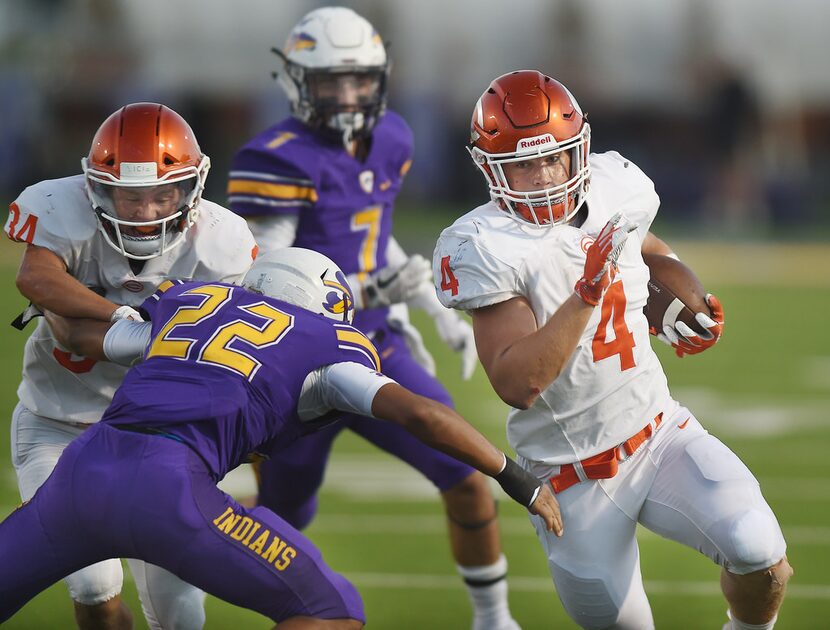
{"x":458,"y":335}
{"x":392,"y":285}
{"x":399,"y":320}
{"x":126,"y":312}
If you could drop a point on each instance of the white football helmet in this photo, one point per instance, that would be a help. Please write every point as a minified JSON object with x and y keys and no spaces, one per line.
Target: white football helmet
{"x":305,"y":278}
{"x":144,"y":147}
{"x":334,"y":72}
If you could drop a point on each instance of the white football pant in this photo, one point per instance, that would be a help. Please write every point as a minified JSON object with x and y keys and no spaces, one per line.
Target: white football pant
{"x":684,"y":485}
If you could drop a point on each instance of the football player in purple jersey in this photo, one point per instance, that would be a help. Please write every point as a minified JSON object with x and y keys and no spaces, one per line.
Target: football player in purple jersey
{"x":227,"y":371}
{"x":326,"y":178}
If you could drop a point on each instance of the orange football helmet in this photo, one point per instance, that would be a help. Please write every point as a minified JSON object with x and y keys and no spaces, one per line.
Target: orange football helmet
{"x":144,"y":145}
{"x":525,"y":115}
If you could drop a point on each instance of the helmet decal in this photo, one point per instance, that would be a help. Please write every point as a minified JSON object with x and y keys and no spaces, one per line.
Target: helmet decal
{"x":341,"y":301}
{"x":305,"y":278}
{"x":300,"y":41}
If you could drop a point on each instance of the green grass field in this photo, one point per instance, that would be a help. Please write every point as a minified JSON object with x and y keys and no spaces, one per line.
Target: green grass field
{"x":765,"y":390}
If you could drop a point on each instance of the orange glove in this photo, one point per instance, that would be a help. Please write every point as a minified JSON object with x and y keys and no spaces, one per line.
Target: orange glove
{"x":601,"y":259}
{"x":685,"y":341}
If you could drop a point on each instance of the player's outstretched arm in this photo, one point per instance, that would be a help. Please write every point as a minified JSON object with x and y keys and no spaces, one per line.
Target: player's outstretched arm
{"x":445,"y":430}
{"x":122,"y":342}
{"x":45,"y":281}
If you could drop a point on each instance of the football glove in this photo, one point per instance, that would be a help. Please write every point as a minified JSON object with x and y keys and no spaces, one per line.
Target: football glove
{"x":685,"y":341}
{"x":601,"y":259}
{"x":126,"y":312}
{"x":457,"y":333}
{"x":393,"y":285}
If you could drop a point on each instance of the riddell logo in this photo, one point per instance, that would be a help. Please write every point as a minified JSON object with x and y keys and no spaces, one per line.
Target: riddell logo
{"x":536,"y":141}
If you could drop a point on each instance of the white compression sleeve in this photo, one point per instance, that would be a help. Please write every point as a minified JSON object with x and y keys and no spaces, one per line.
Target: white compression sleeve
{"x":346,"y":386}
{"x":274,"y":231}
{"x":126,"y":341}
{"x":395,"y":256}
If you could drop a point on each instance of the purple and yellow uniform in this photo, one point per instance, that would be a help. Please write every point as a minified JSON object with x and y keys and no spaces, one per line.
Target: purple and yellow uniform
{"x":344,"y":206}
{"x":221,"y":379}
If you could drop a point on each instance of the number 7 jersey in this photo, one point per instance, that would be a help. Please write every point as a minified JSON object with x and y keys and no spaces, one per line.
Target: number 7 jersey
{"x":613,"y":385}
{"x":344,"y":204}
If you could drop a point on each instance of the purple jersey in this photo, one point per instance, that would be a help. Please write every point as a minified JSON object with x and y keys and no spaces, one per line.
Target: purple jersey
{"x":225,"y":368}
{"x":344,"y":205}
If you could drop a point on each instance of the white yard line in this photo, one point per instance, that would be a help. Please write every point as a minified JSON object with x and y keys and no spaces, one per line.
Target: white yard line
{"x":542,"y":585}
{"x":358,"y":525}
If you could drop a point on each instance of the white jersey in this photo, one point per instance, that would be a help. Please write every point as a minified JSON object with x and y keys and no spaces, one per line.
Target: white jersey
{"x":57,"y":215}
{"x":613,"y":384}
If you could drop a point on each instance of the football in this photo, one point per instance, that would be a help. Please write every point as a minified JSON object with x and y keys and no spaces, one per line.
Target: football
{"x":674,"y":294}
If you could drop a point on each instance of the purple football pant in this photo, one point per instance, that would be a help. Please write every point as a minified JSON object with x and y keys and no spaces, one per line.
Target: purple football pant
{"x":116,"y":494}
{"x":289,"y":481}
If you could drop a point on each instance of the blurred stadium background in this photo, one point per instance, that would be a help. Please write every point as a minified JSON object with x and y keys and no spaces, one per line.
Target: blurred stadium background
{"x":726,"y":105}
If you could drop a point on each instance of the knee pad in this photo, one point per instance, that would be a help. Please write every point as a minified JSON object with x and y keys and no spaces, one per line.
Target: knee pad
{"x":96,"y":583}
{"x":757,"y":542}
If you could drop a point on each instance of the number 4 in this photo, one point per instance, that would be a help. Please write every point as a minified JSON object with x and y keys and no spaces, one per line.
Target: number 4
{"x":448,"y":280}
{"x":613,"y":309}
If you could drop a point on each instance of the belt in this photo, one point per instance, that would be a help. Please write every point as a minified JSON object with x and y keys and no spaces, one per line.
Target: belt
{"x":605,"y":464}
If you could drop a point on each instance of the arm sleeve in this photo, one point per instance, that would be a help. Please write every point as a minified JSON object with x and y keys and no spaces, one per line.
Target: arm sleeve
{"x":126,"y":341}
{"x":262,"y":183}
{"x":349,"y":387}
{"x":274,"y":231}
{"x":395,"y":256}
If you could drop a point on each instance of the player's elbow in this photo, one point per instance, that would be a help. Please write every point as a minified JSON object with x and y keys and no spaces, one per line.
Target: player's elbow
{"x":521,"y":402}
{"x":26,"y":283}
{"x":421,"y":415}
{"x":518,"y":396}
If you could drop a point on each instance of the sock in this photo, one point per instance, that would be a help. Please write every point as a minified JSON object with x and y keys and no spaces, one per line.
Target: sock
{"x":736,"y":624}
{"x":487,"y":586}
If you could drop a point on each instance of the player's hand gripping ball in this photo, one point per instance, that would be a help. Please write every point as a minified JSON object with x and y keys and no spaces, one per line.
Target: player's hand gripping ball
{"x":679,"y":311}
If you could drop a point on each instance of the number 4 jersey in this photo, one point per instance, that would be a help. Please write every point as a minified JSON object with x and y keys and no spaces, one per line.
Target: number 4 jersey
{"x":613,"y":384}
{"x":60,"y":385}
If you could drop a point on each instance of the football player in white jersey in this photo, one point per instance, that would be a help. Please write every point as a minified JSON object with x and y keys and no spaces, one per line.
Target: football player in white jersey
{"x":552,"y":272}
{"x":97,"y":244}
